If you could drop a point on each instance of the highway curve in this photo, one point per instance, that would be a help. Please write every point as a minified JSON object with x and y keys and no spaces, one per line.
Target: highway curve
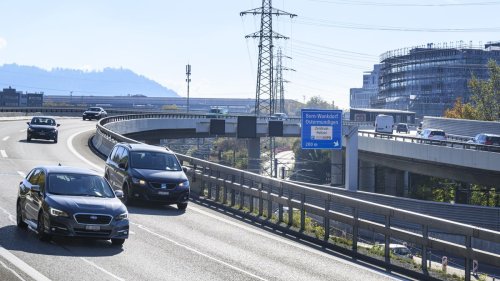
{"x":165,"y":244}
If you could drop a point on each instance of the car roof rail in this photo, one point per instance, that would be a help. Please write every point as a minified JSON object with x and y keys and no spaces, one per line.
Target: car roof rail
{"x":168,"y":149}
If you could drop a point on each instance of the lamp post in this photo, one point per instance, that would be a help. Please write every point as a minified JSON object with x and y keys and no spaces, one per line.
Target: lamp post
{"x":188,"y":79}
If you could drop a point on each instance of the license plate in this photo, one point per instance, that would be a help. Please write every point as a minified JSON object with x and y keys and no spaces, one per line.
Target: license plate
{"x":42,"y":133}
{"x":93,"y":227}
{"x":163,"y":193}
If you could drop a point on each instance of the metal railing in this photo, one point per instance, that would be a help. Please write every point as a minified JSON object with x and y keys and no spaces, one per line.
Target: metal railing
{"x":236,"y":188}
{"x":450,"y":143}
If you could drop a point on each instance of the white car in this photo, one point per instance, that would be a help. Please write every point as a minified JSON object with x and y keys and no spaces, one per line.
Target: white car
{"x":279,"y":116}
{"x":433,"y":134}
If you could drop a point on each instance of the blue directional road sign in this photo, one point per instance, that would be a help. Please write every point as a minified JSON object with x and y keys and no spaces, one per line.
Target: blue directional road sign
{"x":321,"y":129}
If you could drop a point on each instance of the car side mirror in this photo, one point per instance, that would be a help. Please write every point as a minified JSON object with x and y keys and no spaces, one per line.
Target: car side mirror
{"x":119,"y":193}
{"x":185,"y":169}
{"x":35,"y":188}
{"x":58,"y":125}
{"x":28,"y":123}
{"x":121,"y":165}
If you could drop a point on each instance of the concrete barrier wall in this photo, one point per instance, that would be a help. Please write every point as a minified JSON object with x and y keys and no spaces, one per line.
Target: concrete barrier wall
{"x":461,"y":127}
{"x":483,"y":160}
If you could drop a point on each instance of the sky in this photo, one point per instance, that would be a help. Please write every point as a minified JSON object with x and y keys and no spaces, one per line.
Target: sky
{"x":331,"y":42}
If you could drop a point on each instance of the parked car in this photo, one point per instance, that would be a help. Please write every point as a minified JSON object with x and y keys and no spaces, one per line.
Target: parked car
{"x":41,"y":127}
{"x":397,"y":250}
{"x":384,"y":123}
{"x":94,"y":113}
{"x":433,"y":134}
{"x":279,"y":116}
{"x":68,"y":201}
{"x":402,"y":127}
{"x":147,"y":172}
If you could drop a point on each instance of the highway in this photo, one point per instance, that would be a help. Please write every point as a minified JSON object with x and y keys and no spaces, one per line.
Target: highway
{"x":165,"y":244}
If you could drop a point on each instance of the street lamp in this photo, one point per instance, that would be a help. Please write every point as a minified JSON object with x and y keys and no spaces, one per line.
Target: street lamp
{"x":188,"y":79}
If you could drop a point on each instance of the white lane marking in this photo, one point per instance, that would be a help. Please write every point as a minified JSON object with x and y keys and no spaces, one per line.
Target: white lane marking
{"x":9,"y":215}
{"x":69,"y":143}
{"x":6,"y":138}
{"x":73,"y":150}
{"x":198,"y":252}
{"x":22,"y":131}
{"x":3,"y":153}
{"x":12,"y":270}
{"x":288,"y":242}
{"x":23,"y":175}
{"x":102,"y":269}
{"x":24,"y":267}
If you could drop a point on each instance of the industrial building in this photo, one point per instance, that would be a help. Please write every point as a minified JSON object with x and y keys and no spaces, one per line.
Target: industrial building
{"x":428,"y":79}
{"x":9,"y":97}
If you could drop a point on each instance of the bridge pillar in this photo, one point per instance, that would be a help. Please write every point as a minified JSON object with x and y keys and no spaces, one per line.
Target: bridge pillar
{"x":337,"y":168}
{"x":392,"y":181}
{"x":366,"y":176}
{"x":351,"y":159}
{"x":253,"y":146}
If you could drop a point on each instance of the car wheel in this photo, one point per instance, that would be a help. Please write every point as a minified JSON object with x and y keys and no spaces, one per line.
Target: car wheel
{"x":83,"y":118}
{"x":40,"y":228}
{"x":19,"y":217}
{"x":55,"y":139}
{"x":117,"y":241}
{"x":127,"y":197}
{"x":182,"y":206}
{"x":28,"y":139}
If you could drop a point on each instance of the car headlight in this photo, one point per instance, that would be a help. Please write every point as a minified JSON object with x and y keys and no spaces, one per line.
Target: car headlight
{"x":29,"y":129}
{"x":120,"y":217}
{"x":138,"y":181}
{"x":58,"y":213}
{"x":184,"y":184}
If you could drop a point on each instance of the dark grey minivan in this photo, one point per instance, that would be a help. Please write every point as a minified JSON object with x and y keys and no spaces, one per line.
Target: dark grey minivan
{"x":148,"y":173}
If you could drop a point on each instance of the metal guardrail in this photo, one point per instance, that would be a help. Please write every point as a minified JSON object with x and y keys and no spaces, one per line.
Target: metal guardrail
{"x":234,"y":187}
{"x":450,"y":143}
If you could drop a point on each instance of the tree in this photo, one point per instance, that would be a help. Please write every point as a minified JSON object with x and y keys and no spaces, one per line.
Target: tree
{"x":461,"y":111}
{"x":316,"y":102}
{"x":486,"y":94}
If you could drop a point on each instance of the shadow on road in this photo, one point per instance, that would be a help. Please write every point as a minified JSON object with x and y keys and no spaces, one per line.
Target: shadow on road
{"x":14,"y":239}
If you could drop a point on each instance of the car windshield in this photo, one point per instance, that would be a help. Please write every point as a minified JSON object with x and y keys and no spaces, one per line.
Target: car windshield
{"x":94,"y":109}
{"x":151,"y":160}
{"x":43,"y":121}
{"x":78,"y":185}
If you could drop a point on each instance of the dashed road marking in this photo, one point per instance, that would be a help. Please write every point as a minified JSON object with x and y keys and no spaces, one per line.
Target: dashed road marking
{"x":198,"y":252}
{"x":102,"y":269}
{"x":3,"y":153}
{"x":6,"y":138}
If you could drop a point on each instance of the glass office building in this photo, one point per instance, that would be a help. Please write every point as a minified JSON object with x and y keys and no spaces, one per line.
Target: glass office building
{"x":428,"y":79}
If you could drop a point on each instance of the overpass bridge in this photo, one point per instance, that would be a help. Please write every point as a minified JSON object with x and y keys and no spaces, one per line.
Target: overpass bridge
{"x":258,"y":197}
{"x":445,"y":159}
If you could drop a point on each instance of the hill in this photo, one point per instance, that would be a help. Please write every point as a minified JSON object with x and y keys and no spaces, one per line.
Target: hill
{"x":59,"y":81}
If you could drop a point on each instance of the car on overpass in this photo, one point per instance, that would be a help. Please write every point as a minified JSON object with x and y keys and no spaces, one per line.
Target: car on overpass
{"x":69,"y":201}
{"x":41,"y":127}
{"x":402,"y":127}
{"x":148,"y":173}
{"x":433,"y":134}
{"x":486,"y":139}
{"x":94,"y":113}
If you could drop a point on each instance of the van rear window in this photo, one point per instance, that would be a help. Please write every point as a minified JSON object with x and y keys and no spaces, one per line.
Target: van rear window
{"x":437,"y":133}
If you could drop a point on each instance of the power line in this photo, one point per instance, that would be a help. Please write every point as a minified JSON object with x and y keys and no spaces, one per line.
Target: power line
{"x":357,"y":26}
{"x":399,"y":4}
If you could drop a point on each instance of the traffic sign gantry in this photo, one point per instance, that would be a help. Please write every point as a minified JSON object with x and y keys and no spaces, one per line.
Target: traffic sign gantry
{"x":321,"y":129}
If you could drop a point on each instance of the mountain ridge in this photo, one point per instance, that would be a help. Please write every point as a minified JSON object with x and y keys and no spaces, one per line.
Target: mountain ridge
{"x":59,"y":81}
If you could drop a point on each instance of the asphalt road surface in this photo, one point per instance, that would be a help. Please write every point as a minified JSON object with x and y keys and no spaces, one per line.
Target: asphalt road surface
{"x":165,"y":244}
